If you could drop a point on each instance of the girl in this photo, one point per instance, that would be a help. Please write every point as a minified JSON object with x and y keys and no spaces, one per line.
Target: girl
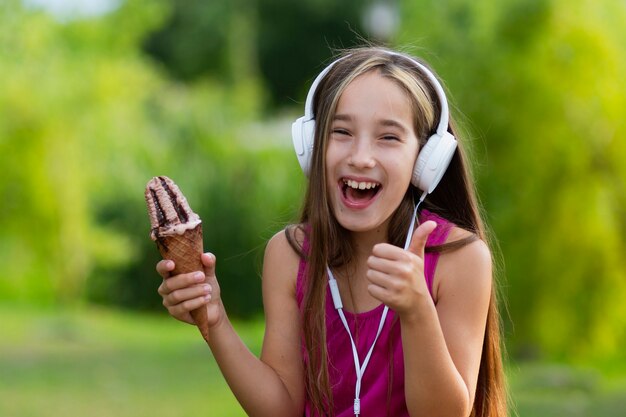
{"x":356,"y":323}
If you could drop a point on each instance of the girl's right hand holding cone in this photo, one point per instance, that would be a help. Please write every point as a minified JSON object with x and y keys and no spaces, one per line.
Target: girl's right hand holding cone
{"x":186,"y":292}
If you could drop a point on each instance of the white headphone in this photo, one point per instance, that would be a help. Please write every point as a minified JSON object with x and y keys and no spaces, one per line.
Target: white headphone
{"x":433,"y":159}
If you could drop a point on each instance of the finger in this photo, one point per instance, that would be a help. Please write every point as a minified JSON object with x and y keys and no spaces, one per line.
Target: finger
{"x":385,"y":265}
{"x":389,"y":258}
{"x":378,"y":278}
{"x":388,"y":251}
{"x":209,"y":261}
{"x":182,"y":309}
{"x":164,"y":267}
{"x":186,"y":294}
{"x":379,"y":293}
{"x":418,"y":241}
{"x":177,"y":282}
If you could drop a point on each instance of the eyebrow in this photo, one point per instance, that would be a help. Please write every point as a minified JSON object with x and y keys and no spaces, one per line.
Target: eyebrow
{"x":393,"y":123}
{"x":384,"y":122}
{"x":342,"y":117}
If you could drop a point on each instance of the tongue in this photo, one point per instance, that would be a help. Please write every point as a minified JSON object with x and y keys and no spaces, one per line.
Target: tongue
{"x":360,"y":196}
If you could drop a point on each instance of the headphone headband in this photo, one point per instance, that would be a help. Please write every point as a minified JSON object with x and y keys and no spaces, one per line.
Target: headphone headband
{"x":441,"y":95}
{"x":434,"y":157}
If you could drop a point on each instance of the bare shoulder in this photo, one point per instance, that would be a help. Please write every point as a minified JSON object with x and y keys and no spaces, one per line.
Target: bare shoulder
{"x":467,"y":269}
{"x":292,"y":237}
{"x":286,"y":243}
{"x":281,"y":261}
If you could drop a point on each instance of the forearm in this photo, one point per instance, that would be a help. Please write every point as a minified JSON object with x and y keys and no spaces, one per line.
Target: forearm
{"x":433,"y":384}
{"x":257,"y":386}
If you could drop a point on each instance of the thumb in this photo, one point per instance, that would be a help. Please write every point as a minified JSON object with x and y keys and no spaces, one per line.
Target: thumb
{"x":418,"y":241}
{"x":208,"y":260}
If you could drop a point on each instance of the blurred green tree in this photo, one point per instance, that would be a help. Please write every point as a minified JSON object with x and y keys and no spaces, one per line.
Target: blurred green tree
{"x":283,"y":41}
{"x":69,"y":94}
{"x":541,"y":83}
{"x":88,"y":121}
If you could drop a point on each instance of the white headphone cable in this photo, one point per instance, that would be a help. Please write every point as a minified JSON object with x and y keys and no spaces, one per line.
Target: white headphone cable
{"x":334,"y":291}
{"x":359,"y":369}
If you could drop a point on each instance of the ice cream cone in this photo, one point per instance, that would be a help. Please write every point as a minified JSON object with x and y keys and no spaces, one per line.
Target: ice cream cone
{"x":186,"y":250}
{"x":177,"y":231}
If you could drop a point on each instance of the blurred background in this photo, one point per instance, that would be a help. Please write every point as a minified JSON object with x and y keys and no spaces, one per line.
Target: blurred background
{"x":98,"y":96}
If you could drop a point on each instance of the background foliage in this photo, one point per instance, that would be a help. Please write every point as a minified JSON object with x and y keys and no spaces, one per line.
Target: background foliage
{"x":542,"y":84}
{"x":204,"y":92}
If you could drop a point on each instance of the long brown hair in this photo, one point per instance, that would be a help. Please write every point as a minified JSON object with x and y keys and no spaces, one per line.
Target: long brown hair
{"x":329,"y":243}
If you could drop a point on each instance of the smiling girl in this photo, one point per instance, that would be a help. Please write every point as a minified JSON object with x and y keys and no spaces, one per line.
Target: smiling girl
{"x":380,"y":301}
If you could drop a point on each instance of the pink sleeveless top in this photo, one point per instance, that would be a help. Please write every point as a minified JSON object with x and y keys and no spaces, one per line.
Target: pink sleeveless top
{"x":382,"y":387}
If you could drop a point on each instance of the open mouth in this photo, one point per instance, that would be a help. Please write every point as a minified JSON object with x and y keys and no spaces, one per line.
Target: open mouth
{"x":359,"y":192}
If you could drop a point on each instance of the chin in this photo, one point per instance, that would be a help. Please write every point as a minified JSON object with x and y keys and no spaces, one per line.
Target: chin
{"x":356,"y":225}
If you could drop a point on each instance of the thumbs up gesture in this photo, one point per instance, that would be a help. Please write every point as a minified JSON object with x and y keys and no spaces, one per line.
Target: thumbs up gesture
{"x":396,"y":276}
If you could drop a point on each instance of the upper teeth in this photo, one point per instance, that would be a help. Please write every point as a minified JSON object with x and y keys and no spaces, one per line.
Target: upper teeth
{"x":364,"y":185}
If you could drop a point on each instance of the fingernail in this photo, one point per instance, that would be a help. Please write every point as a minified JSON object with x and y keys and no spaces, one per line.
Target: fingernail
{"x":206,"y":288}
{"x":199,"y":276}
{"x":207,"y":297}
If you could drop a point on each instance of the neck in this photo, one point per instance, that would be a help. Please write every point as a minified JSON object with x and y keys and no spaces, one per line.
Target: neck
{"x":365,"y":241}
{"x":351,"y":276}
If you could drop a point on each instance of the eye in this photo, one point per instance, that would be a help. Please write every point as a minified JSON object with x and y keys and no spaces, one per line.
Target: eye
{"x":391,"y":137}
{"x":340,"y":131}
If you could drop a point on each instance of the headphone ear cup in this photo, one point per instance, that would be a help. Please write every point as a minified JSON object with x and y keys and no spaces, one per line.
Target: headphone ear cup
{"x":432,"y":161}
{"x":303,"y":134}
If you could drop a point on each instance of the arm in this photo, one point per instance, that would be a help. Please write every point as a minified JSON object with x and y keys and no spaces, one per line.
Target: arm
{"x":442,"y":342}
{"x":445,"y":341}
{"x":272,"y":385}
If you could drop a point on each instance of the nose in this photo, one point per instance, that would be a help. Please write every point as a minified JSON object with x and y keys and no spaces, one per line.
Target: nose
{"x":361,"y":154}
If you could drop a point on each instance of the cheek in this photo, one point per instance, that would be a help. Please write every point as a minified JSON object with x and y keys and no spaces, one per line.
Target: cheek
{"x":402,"y":165}
{"x":412,"y":160}
{"x":331,"y":160}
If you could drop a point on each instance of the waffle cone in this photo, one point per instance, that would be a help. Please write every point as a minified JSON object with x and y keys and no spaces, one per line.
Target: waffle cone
{"x":186,"y":251}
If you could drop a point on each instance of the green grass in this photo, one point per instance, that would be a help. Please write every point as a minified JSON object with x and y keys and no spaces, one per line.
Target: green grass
{"x":558,"y":390}
{"x":97,"y":362}
{"x":91,"y":362}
